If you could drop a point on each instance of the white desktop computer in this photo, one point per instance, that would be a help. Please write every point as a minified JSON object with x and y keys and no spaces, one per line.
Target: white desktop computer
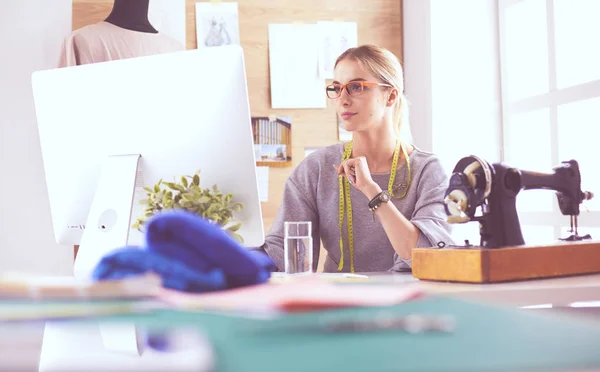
{"x":107,"y":128}
{"x":180,"y":112}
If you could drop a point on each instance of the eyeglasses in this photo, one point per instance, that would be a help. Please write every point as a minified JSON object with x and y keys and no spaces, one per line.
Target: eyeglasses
{"x":353,"y":88}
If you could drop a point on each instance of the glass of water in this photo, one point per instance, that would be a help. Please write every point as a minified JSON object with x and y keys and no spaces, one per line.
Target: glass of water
{"x":298,"y":247}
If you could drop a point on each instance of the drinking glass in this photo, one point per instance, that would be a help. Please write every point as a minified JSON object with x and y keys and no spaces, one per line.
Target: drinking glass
{"x":298,"y":247}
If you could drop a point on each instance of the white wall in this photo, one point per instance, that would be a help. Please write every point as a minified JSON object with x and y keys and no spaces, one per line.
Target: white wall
{"x":416,"y":55}
{"x":452,"y":77}
{"x":31,"y":33}
{"x":465,"y":70}
{"x":451,"y":62}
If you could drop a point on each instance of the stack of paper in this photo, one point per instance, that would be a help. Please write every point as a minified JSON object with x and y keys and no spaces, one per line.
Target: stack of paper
{"x":43,"y":298}
{"x":71,"y":288}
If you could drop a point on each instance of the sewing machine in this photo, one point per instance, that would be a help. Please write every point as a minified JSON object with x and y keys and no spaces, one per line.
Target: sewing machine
{"x":486,"y":193}
{"x":475,"y":183}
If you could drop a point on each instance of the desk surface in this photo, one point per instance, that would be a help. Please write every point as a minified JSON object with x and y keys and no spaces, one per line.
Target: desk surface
{"x":556,"y":291}
{"x":514,"y":339}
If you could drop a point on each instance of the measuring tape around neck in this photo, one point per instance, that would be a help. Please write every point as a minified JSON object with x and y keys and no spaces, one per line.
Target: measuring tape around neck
{"x":346,"y":202}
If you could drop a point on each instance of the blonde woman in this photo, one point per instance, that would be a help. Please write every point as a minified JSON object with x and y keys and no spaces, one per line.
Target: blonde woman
{"x":392,"y":190}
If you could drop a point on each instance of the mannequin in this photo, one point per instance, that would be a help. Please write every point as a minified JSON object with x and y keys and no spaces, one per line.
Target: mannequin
{"x":131,"y":15}
{"x":125,"y":33}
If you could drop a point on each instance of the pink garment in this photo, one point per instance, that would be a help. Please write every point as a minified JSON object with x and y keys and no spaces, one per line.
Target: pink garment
{"x":103,"y":41}
{"x":300,"y":294}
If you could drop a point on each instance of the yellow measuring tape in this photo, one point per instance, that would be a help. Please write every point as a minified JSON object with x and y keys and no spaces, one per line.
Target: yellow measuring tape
{"x":345,"y":198}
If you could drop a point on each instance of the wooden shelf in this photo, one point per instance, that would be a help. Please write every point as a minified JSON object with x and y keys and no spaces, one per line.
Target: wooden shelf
{"x":276,"y":164}
{"x":478,"y":265}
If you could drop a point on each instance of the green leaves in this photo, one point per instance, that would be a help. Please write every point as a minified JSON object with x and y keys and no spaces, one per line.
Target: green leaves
{"x":188,"y":195}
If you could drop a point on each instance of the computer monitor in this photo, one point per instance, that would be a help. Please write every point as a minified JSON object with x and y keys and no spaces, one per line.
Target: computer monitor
{"x":180,"y":111}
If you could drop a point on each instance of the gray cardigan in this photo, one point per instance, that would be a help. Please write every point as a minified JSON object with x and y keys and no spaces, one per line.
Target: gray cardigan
{"x":312,"y":194}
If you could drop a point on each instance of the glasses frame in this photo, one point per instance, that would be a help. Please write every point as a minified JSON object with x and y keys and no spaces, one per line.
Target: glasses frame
{"x":363,"y":84}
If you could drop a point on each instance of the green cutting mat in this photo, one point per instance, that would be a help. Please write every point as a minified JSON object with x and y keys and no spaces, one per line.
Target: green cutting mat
{"x":486,"y":339}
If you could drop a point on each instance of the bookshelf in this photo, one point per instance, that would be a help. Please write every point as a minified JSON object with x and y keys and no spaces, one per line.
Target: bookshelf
{"x":272,"y":141}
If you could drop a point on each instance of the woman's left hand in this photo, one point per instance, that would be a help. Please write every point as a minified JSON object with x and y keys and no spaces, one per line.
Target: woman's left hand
{"x":356,"y":170}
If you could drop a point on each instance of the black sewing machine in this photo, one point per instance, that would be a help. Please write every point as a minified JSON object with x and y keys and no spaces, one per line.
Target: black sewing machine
{"x":493,"y":187}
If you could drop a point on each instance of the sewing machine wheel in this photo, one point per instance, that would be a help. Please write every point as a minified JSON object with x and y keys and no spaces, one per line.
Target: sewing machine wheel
{"x":470,"y":185}
{"x":479,"y":173}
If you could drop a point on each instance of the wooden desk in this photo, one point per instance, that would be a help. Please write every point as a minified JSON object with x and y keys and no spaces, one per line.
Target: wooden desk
{"x":555,"y":291}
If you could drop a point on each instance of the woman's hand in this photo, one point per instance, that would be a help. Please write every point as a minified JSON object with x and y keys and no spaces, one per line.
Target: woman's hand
{"x":356,"y":170}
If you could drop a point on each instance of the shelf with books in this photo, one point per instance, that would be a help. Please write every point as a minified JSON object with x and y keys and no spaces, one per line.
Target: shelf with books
{"x":272,"y":140}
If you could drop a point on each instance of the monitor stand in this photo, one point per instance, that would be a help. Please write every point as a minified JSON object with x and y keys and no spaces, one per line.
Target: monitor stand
{"x":107,"y":346}
{"x":104,"y":346}
{"x":107,"y":228}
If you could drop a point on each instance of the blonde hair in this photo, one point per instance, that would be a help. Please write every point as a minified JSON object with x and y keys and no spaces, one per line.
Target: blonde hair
{"x":386,"y":67}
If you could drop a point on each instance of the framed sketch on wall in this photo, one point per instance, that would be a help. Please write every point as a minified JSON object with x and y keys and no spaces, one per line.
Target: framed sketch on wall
{"x":272,"y":140}
{"x":217,"y":24}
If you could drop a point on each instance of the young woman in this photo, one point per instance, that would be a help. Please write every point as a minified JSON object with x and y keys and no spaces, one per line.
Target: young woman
{"x":373,"y":199}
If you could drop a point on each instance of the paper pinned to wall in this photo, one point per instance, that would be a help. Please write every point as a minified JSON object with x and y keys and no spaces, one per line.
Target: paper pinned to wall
{"x":310,"y":150}
{"x":334,"y":39}
{"x":217,"y":24}
{"x":168,"y":17}
{"x":262,"y":174}
{"x":294,"y":59}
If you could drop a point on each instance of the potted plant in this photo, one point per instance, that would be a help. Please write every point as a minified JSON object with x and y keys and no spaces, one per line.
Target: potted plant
{"x":187,"y":194}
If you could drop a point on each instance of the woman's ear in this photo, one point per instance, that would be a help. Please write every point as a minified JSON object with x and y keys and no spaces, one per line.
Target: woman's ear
{"x":393,"y":97}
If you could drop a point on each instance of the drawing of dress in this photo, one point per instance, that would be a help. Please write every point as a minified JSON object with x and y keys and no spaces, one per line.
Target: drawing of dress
{"x":329,"y":58}
{"x":343,"y":46}
{"x":217,"y":35}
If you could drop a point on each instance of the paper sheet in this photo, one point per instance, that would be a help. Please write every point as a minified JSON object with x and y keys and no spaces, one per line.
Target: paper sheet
{"x":334,"y":39}
{"x":343,"y":134}
{"x":310,"y":150}
{"x":217,"y":24}
{"x":302,"y":294}
{"x":168,"y":17}
{"x":262,"y":173}
{"x":293,"y":59}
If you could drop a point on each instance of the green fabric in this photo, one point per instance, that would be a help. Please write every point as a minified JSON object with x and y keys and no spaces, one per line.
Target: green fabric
{"x":486,"y":339}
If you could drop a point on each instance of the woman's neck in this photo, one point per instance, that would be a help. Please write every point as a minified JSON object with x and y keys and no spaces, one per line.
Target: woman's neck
{"x":377,"y":146}
{"x":131,"y":15}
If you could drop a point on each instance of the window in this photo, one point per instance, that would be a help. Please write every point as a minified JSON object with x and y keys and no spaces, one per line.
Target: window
{"x":460,"y":71}
{"x":550,"y":80}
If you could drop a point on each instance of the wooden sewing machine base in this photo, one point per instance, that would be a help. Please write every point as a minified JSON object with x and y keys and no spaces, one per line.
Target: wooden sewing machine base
{"x":479,"y":265}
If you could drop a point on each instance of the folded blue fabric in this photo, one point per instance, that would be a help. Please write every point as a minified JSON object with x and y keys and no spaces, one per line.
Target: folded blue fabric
{"x":190,"y":254}
{"x":202,"y":245}
{"x":131,"y":261}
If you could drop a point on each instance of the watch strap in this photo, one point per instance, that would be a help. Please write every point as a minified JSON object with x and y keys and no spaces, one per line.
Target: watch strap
{"x":383,"y":196}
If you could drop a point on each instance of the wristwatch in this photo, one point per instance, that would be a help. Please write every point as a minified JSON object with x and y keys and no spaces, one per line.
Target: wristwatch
{"x":382,"y":197}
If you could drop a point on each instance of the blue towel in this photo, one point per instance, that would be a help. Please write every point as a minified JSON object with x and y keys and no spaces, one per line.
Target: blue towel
{"x":131,"y":261}
{"x":190,"y":254}
{"x":201,"y":245}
